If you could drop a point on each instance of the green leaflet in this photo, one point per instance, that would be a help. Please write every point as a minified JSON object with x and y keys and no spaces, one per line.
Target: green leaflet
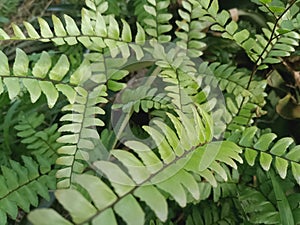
{"x":156,"y":201}
{"x":124,"y":207}
{"x":286,"y":215}
{"x":45,"y":29}
{"x":50,"y":91}
{"x":4,"y":68}
{"x":42,"y":66}
{"x":189,"y":150}
{"x":47,"y":217}
{"x":95,"y":186}
{"x":121,"y":182}
{"x":23,"y":186}
{"x":20,"y":67}
{"x":13,"y":86}
{"x":60,"y":69}
{"x":79,"y":210}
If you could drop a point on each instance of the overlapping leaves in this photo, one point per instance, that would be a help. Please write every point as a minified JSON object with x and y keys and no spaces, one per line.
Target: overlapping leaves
{"x":173,"y":169}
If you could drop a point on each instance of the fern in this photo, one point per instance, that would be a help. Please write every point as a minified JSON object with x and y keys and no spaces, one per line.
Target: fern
{"x":191,"y":27}
{"x":82,"y":117}
{"x":39,"y":143}
{"x":157,"y":21}
{"x":21,"y":185}
{"x":282,"y":152}
{"x":276,"y":41}
{"x":146,"y":176}
{"x":201,"y":124}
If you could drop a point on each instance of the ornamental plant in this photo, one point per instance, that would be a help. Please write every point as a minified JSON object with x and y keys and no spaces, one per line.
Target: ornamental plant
{"x":150,"y":112}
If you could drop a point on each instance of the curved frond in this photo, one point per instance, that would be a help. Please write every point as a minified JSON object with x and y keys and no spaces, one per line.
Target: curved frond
{"x":172,"y":170}
{"x":278,"y":39}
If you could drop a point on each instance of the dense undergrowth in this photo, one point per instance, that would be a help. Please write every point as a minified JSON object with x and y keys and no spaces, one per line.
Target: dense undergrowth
{"x":150,"y":112}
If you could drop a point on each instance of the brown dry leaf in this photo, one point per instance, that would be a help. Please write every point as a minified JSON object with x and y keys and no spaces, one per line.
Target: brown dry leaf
{"x":234,"y":13}
{"x":297,"y":78}
{"x":287,"y":108}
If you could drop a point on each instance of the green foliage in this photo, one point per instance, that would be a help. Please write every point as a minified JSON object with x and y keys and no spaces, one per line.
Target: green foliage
{"x":7,"y":8}
{"x":138,"y":129}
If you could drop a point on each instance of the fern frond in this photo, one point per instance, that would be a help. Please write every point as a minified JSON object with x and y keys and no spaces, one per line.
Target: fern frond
{"x":271,"y":201}
{"x":173,"y":170}
{"x":40,"y":143}
{"x":277,"y":45}
{"x":97,"y":32}
{"x":177,"y":70}
{"x":277,"y":41}
{"x":20,"y":186}
{"x":80,"y":141}
{"x":43,"y":78}
{"x":258,"y":207}
{"x":233,"y":81}
{"x":143,"y":97}
{"x":190,"y":32}
{"x":282,"y":153}
{"x":209,"y":212}
{"x":157,"y":21}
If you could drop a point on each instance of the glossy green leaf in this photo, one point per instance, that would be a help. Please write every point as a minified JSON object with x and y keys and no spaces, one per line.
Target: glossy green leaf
{"x":20,"y":67}
{"x":81,"y":209}
{"x":126,"y":206}
{"x":33,"y":88}
{"x":58,"y":27}
{"x":13,"y":86}
{"x":106,"y":217}
{"x":281,"y":166}
{"x":175,"y":189}
{"x":113,"y":28}
{"x":265,"y":160}
{"x":119,"y":179}
{"x":154,"y":199}
{"x":31,"y":30}
{"x":4,"y":67}
{"x":47,"y":217}
{"x":248,"y":136}
{"x":71,"y":26}
{"x":296,"y":171}
{"x":126,"y":32}
{"x":140,"y":36}
{"x":101,"y":194}
{"x":42,"y":66}
{"x":18,"y":32}
{"x":135,"y":167}
{"x":281,"y":146}
{"x":60,"y":69}
{"x":45,"y":28}
{"x":50,"y":91}
{"x":264,"y":141}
